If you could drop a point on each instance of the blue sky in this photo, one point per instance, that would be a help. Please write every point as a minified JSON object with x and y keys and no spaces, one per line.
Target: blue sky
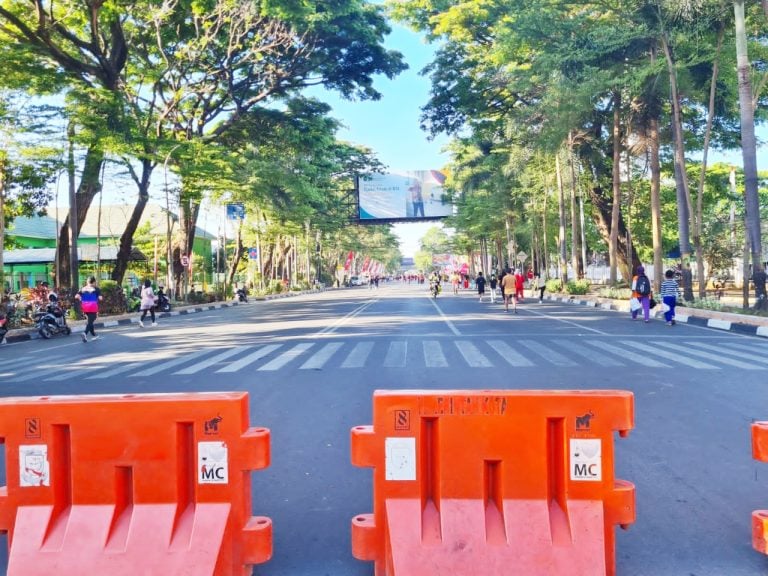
{"x":390,"y":126}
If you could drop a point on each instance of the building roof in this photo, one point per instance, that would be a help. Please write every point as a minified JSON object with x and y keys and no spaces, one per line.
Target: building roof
{"x":86,"y":253}
{"x":113,"y":221}
{"x":115,"y":217}
{"x":43,"y":227}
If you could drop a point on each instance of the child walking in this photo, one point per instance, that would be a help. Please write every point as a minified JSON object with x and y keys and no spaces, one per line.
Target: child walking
{"x":670,"y":291}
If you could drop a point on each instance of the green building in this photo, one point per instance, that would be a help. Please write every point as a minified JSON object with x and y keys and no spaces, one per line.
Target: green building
{"x":98,"y":245}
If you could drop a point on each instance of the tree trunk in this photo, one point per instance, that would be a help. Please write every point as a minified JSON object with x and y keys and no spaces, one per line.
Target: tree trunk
{"x":616,"y":208}
{"x":238,"y":253}
{"x":681,"y":178}
{"x":577,"y":262}
{"x":562,"y":248}
{"x":655,"y":167}
{"x":89,"y":187}
{"x":188,"y":212}
{"x":2,"y":225}
{"x":601,"y":215}
{"x":700,"y":193}
{"x":545,"y":248}
{"x":749,"y":155}
{"x":126,"y":240}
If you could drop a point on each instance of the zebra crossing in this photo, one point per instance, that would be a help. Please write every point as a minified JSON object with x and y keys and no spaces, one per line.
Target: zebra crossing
{"x":428,"y":353}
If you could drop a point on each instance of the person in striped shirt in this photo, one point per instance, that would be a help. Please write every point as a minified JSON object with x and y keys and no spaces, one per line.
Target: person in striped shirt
{"x":670,"y":291}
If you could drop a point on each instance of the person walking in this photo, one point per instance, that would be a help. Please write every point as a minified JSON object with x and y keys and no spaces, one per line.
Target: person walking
{"x":89,"y":296}
{"x":493,"y":282}
{"x":455,"y":279}
{"x":508,"y":291}
{"x":641,"y":290}
{"x":540,"y":284}
{"x":519,"y":285}
{"x":147,"y":303}
{"x":480,"y":283}
{"x":670,"y":292}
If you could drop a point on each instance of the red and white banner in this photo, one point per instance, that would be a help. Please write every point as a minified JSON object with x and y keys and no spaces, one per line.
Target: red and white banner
{"x":366,"y":264}
{"x":350,"y":258}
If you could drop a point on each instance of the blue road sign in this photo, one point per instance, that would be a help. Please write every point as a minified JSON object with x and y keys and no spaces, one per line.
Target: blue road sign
{"x":235,"y":211}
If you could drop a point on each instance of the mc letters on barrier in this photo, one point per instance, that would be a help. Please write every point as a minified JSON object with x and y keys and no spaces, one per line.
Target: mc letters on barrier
{"x":152,"y":484}
{"x":493,"y":482}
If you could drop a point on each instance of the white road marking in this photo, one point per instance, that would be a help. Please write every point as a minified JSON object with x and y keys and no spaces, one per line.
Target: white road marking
{"x":249,"y":359}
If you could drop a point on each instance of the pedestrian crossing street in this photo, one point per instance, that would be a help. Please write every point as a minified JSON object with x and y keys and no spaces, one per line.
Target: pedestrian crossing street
{"x":439,"y":354}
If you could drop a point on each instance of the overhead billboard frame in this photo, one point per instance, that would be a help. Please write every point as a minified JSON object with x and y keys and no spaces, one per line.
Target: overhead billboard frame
{"x":403,"y":196}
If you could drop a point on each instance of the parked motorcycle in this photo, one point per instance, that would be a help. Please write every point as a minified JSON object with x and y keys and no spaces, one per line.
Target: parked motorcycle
{"x":163,"y":304}
{"x":52,"y":320}
{"x":241,"y":295}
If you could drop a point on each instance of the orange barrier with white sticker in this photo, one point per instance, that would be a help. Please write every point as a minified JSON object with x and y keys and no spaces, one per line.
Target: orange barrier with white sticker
{"x":151,"y":484}
{"x":493,"y":482}
{"x":760,"y":517}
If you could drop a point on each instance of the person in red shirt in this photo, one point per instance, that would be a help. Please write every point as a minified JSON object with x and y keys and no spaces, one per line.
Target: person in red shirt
{"x":519,"y":284}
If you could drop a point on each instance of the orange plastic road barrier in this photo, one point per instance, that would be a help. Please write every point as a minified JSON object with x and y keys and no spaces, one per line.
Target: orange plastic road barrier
{"x":760,"y":517}
{"x":492,"y":483}
{"x":154,"y":484}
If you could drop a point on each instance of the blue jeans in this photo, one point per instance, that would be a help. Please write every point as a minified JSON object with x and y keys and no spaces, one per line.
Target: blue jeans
{"x":670,"y":301}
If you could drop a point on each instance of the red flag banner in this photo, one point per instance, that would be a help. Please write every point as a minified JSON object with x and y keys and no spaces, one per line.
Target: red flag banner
{"x":348,"y":263}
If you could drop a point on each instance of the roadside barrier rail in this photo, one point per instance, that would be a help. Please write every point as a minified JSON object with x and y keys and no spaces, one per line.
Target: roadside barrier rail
{"x":150,"y":484}
{"x":493,"y":482}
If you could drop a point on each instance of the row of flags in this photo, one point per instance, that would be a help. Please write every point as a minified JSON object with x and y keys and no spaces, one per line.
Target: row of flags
{"x":369,"y":266}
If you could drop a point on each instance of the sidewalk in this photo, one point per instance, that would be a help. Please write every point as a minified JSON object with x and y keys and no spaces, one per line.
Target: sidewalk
{"x":741,"y":323}
{"x":77,"y":326}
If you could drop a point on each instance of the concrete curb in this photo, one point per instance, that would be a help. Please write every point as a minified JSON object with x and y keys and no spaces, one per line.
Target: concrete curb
{"x":748,"y":325}
{"x":23,"y":334}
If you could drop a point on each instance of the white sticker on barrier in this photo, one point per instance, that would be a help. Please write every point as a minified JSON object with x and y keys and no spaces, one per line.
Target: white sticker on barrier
{"x":400,"y":458}
{"x":212,"y":463}
{"x":34,"y":469}
{"x":586,"y":459}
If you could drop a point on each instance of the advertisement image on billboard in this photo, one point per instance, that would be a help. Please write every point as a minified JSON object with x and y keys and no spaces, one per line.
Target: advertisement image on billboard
{"x":406,"y":195}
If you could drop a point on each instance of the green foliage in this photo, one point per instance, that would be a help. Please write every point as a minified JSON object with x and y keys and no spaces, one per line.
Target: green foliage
{"x":615,"y":293}
{"x":201,"y":297}
{"x":423,"y":261}
{"x":554,"y":285}
{"x":114,"y":301}
{"x":276,"y":287}
{"x":706,"y":304}
{"x":577,"y":286}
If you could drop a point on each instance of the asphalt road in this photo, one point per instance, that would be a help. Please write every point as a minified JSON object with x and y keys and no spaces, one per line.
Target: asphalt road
{"x":311,"y":364}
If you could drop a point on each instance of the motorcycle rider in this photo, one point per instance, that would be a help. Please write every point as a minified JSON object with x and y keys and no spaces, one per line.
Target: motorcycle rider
{"x":434,"y":283}
{"x":241,"y":294}
{"x":163,"y":304}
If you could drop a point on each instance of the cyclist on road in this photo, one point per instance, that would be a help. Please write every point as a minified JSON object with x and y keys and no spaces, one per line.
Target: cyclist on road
{"x":434,"y":283}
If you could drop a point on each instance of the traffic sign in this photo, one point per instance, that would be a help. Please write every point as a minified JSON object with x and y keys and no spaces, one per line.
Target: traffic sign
{"x":235,"y":211}
{"x":185,"y":260}
{"x":253,"y":253}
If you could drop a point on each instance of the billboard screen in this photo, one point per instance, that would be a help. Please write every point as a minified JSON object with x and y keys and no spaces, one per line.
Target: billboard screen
{"x":406,"y":195}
